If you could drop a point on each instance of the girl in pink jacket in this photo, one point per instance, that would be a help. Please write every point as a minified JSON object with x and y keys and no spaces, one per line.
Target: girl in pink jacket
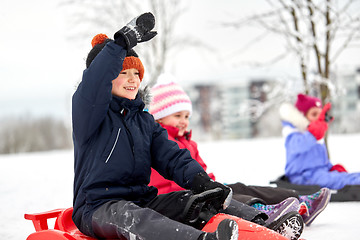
{"x":184,"y":141}
{"x":172,"y":108}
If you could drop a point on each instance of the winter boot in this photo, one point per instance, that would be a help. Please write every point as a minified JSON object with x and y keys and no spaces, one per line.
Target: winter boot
{"x":290,"y":225}
{"x":315,"y":203}
{"x":277,"y":210}
{"x":226,"y":230}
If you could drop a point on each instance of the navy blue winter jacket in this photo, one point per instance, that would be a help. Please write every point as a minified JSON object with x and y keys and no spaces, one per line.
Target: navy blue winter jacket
{"x":114,"y":151}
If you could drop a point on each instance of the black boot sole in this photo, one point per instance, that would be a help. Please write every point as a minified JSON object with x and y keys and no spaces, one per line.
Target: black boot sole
{"x":290,"y":225}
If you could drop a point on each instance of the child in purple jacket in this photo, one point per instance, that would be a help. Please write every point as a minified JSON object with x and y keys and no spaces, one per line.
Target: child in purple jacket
{"x":307,"y":162}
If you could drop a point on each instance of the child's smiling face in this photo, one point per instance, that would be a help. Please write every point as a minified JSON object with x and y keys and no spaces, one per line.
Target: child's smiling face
{"x":180,"y":120}
{"x":127,"y":84}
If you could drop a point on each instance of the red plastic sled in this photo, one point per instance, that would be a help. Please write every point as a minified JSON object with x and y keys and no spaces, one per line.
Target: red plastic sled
{"x":65,"y":229}
{"x":247,"y":230}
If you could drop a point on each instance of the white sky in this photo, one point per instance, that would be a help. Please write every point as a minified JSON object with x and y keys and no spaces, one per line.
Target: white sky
{"x":39,"y":68}
{"x":36,"y":65}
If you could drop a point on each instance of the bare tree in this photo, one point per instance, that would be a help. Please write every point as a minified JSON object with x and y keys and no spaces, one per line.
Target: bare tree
{"x":316,"y":31}
{"x":86,"y":18}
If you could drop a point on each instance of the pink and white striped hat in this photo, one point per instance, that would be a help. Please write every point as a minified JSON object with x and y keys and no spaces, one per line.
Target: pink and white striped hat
{"x":168,"y":98}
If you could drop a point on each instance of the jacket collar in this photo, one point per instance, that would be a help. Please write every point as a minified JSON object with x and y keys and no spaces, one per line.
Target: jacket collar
{"x":174,"y":132}
{"x":289,"y":113}
{"x":117,"y":104}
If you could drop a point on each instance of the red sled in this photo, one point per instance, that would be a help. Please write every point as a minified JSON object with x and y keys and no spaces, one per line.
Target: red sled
{"x":65,"y":229}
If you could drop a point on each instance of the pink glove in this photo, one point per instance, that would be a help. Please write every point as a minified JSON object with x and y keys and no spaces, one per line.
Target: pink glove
{"x":318,"y":129}
{"x":338,"y":167}
{"x":323,"y":115}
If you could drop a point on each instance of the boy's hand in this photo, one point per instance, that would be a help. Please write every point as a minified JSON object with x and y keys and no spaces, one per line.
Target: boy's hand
{"x":202,"y":182}
{"x":137,"y":30}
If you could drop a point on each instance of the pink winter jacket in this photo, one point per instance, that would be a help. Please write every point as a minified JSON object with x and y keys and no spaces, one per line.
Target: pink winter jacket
{"x":164,"y":185}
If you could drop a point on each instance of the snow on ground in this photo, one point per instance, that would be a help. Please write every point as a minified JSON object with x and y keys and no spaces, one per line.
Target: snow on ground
{"x":38,"y":182}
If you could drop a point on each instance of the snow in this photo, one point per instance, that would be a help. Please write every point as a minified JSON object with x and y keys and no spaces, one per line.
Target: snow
{"x":37,"y":182}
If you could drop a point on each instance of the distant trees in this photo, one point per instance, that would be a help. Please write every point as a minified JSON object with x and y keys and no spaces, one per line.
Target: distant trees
{"x":315,"y":31}
{"x":27,"y":134}
{"x":86,"y":18}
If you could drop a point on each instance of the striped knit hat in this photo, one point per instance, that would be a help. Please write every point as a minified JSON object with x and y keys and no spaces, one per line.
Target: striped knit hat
{"x":168,"y":98}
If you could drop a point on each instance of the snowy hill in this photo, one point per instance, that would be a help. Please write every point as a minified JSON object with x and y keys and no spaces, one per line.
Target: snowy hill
{"x":43,"y":181}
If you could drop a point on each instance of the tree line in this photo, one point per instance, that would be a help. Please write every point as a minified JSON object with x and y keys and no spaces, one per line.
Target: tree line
{"x":29,"y":134}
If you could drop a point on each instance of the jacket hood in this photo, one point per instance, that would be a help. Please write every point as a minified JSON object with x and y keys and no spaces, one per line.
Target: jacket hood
{"x":291,"y":114}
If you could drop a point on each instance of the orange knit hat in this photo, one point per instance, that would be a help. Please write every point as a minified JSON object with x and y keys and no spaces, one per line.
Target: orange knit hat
{"x":131,"y":60}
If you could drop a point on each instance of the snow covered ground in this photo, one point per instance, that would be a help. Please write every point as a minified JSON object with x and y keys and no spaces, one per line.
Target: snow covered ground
{"x":43,"y":181}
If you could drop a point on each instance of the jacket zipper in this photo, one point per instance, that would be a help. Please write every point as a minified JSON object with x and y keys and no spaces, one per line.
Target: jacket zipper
{"x":128,"y":130}
{"x":117,"y":137}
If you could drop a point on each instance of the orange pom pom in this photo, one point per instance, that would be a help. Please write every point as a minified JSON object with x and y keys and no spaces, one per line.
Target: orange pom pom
{"x":98,"y":39}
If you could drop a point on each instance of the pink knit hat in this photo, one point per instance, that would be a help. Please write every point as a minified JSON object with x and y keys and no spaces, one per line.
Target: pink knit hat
{"x":168,"y":98}
{"x":304,"y":103}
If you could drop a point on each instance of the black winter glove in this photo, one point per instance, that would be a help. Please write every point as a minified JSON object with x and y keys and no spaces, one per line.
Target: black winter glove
{"x":202,"y":182}
{"x":137,"y":30}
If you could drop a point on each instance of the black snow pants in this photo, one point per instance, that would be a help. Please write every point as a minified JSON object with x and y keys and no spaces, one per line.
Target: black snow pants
{"x":160,"y":219}
{"x":257,"y":194}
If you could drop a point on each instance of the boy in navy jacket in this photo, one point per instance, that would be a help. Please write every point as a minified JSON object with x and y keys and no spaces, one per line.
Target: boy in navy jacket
{"x":115,"y":145}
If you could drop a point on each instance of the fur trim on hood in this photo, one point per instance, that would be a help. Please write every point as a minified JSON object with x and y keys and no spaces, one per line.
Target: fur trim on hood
{"x":291,"y":114}
{"x":146,"y":96}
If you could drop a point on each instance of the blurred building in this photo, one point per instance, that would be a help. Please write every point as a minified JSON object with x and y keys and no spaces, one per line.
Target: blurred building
{"x":246,"y":108}
{"x":346,"y":102}
{"x":226,"y":109}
